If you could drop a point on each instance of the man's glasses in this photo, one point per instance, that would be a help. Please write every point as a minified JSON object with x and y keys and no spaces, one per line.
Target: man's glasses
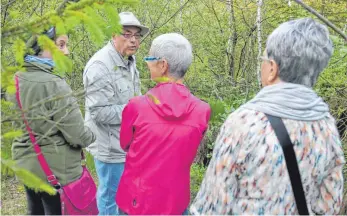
{"x":129,"y":35}
{"x":151,"y":58}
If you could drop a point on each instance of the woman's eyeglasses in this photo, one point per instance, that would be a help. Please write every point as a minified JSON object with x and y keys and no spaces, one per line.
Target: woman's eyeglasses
{"x":151,"y":58}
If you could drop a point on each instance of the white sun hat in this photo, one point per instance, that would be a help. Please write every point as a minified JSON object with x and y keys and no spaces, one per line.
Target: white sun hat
{"x":129,"y":19}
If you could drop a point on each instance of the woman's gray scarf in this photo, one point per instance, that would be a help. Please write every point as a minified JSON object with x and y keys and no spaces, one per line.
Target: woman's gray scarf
{"x":291,"y":101}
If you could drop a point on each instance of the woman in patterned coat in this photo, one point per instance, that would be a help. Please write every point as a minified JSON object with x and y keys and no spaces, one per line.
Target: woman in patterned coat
{"x":248,"y":172}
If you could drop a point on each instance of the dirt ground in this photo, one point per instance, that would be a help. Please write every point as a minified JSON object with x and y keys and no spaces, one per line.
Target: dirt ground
{"x":13,"y":200}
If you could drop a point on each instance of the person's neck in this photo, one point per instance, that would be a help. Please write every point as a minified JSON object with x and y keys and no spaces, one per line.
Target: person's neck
{"x":178,"y":81}
{"x":277,"y":81}
{"x":124,"y":56}
{"x":168,"y":79}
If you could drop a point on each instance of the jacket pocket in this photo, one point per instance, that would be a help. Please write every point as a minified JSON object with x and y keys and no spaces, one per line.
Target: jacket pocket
{"x":123,"y":91}
{"x":114,"y":146}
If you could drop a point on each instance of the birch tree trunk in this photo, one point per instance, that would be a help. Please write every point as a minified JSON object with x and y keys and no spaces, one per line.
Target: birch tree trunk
{"x":259,"y":3}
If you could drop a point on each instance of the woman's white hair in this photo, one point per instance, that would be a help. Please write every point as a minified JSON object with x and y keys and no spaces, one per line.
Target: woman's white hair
{"x":176,"y":50}
{"x":301,"y":48}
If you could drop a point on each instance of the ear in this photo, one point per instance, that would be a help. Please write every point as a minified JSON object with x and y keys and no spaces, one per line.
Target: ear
{"x":114,"y":38}
{"x":274,"y":72}
{"x":164,"y":67}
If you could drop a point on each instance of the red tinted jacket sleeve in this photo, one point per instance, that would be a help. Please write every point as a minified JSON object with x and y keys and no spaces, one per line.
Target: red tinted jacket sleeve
{"x":127,"y":129}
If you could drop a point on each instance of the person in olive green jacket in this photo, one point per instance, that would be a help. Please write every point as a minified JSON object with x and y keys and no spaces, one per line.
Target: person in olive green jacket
{"x":57,"y":124}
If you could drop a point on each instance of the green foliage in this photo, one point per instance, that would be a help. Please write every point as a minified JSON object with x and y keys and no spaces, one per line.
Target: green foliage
{"x":112,"y":20}
{"x":73,"y":19}
{"x":94,"y":28}
{"x":332,"y":84}
{"x":196,"y":176}
{"x":62,"y":63}
{"x":6,"y":105}
{"x":59,"y":25}
{"x":19,"y":47}
{"x":29,"y":179}
{"x":82,"y":12}
{"x":12,"y":134}
{"x":8,"y":133}
{"x":7,"y":81}
{"x":218,"y":108}
{"x":90,"y":164}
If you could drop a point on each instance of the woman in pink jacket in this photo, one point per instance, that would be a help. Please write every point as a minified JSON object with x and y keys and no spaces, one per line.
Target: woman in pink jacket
{"x":161,"y":132}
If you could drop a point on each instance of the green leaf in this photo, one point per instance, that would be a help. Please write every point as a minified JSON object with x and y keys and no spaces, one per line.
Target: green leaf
{"x":161,"y":79}
{"x":15,"y":14}
{"x":114,"y":26}
{"x":28,"y":178}
{"x":71,"y":22}
{"x":5,"y":103}
{"x":154,"y":99}
{"x":59,"y":25}
{"x":62,"y":63}
{"x":13,"y":134}
{"x":96,"y":32}
{"x":97,"y":19}
{"x":11,"y":89}
{"x":19,"y":50}
{"x":334,"y":38}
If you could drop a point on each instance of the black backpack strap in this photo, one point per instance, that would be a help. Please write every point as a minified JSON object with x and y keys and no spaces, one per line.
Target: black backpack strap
{"x":292,"y":165}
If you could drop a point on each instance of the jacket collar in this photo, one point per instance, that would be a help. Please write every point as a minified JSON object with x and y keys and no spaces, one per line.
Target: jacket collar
{"x":35,"y":67}
{"x":118,"y":58}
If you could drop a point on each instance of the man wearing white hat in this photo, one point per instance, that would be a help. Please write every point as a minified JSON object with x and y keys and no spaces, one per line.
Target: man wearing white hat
{"x":110,"y":79}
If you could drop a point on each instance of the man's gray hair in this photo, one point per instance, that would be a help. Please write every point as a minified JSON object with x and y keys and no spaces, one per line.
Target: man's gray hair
{"x":177,"y":51}
{"x":301,"y":48}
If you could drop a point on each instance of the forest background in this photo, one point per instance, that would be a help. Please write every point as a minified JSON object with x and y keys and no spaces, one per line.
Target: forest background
{"x":227,"y":37}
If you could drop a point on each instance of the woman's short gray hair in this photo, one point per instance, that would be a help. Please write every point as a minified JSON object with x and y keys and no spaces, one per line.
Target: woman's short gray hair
{"x":177,"y":51}
{"x":301,"y":48}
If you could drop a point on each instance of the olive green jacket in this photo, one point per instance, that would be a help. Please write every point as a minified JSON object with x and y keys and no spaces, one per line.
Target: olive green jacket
{"x":56,"y":120}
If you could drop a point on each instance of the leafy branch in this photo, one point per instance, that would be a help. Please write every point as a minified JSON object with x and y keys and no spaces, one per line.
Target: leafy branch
{"x":65,"y":18}
{"x":36,"y":24}
{"x":27,"y":178}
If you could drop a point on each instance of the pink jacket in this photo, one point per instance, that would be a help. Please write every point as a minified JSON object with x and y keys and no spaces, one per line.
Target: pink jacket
{"x":161,"y":132}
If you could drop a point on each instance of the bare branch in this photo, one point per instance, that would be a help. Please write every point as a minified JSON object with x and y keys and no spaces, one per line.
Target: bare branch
{"x":325,"y":20}
{"x":154,"y":29}
{"x":9,"y":3}
{"x":5,"y":13}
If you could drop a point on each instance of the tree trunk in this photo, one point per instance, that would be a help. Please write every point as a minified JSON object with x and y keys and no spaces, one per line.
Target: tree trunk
{"x":259,"y":2}
{"x":231,"y":41}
